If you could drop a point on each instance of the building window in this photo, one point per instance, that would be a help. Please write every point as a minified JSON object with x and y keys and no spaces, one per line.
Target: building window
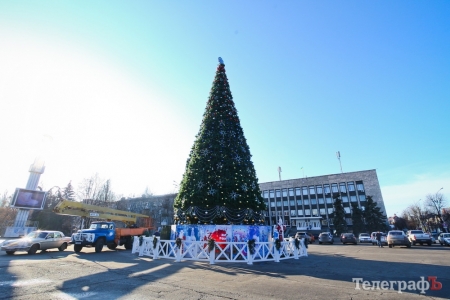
{"x":292,"y":213}
{"x":300,"y":212}
{"x":334,"y":188}
{"x":344,"y":199}
{"x":360,"y":187}
{"x":285,"y":203}
{"x":311,"y":190}
{"x":266,"y":194}
{"x":319,"y":189}
{"x":343,"y":188}
{"x":347,"y":210}
{"x":272,"y":204}
{"x":286,"y":213}
{"x":278,"y":203}
{"x":307,"y":212}
{"x":330,"y":210}
{"x":314,"y":212}
{"x":306,"y":202}
{"x":322,"y":211}
{"x":326,"y":187}
{"x":353,"y":198}
{"x":280,"y":213}
{"x":305,"y":191}
{"x":284,"y":191}
{"x":297,"y":192}
{"x":272,"y":194}
{"x":362,"y":198}
{"x":351,"y":186}
{"x":273,"y":214}
{"x":329,"y":200}
{"x":291,"y":202}
{"x":299,"y":202}
{"x":321,"y":201}
{"x":277,"y":192}
{"x":313,"y":201}
{"x":291,"y":192}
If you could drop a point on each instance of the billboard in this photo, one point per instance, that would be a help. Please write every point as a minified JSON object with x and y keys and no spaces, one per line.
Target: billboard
{"x":28,"y":199}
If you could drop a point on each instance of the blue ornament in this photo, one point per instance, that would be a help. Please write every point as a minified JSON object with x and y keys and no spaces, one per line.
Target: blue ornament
{"x":221,"y":61}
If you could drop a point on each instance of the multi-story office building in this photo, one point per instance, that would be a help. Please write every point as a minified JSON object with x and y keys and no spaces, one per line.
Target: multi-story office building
{"x":304,"y":203}
{"x":307,"y":203}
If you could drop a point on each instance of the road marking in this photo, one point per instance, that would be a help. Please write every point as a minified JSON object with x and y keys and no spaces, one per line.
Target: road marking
{"x":20,"y":283}
{"x":72,"y":296}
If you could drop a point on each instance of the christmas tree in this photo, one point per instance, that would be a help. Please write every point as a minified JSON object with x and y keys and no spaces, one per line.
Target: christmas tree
{"x":219,"y":185}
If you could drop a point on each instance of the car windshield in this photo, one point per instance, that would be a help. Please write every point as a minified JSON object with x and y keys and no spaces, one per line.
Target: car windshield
{"x":417,"y":231}
{"x":364,"y":234}
{"x":447,"y":235}
{"x":99,"y":226}
{"x":37,"y":234}
{"x":348,"y":235}
{"x":396,"y":233}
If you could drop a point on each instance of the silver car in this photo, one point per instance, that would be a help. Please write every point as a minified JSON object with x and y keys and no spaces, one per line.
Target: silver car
{"x":37,"y":240}
{"x":364,"y":238}
{"x":326,"y":237}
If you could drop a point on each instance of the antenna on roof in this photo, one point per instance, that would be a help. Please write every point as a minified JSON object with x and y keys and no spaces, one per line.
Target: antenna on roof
{"x":338,"y":155}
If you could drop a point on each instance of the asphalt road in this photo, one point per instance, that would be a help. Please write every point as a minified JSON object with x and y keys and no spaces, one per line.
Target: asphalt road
{"x":326,"y":273}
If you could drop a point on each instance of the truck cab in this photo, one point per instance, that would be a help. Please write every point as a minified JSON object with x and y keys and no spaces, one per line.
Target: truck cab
{"x":98,"y":235}
{"x":104,"y":233}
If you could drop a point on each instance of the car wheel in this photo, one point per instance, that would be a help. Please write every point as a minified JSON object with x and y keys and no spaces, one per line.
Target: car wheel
{"x":62,"y":247}
{"x":421,"y":244}
{"x":99,"y":245}
{"x":390,"y":245}
{"x":77,"y":248}
{"x":112,"y":246}
{"x":320,"y":243}
{"x":33,"y":249}
{"x":355,"y":243}
{"x":129,"y":244}
{"x":10,"y":252}
{"x":429,"y":243}
{"x":414,"y":243}
{"x":409,"y":245}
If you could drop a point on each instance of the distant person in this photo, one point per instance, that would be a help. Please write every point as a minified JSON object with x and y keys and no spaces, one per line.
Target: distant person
{"x":157,"y":233}
{"x":378,"y":235}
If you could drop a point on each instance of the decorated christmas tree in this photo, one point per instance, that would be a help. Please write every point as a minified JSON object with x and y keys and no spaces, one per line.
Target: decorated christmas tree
{"x":219,"y":185}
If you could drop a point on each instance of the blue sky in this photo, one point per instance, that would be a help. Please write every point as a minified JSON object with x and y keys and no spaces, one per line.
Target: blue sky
{"x":121,"y":89}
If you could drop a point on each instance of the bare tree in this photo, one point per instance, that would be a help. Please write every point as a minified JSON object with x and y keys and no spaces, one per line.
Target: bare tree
{"x":5,"y":199}
{"x":436,"y":203}
{"x":106,"y":194}
{"x":147,"y":193}
{"x":89,"y":188}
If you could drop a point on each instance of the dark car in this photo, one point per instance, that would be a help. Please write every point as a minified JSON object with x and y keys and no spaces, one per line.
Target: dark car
{"x":326,"y":237}
{"x":397,"y":238}
{"x":348,"y":238}
{"x":444,"y":239}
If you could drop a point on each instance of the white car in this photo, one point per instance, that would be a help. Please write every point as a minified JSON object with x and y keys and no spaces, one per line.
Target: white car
{"x":373,"y":238}
{"x":364,"y":238}
{"x":37,"y":240}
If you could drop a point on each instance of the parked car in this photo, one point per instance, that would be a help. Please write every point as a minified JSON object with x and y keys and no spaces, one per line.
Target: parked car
{"x":37,"y":240}
{"x":303,"y":235}
{"x":364,"y":238}
{"x":444,"y":239}
{"x":348,"y":238}
{"x":326,"y":237}
{"x":373,"y":238}
{"x":397,"y":238}
{"x":418,"y":236}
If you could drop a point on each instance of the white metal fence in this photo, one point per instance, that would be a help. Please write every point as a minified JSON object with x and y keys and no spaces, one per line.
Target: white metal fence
{"x":223,"y":251}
